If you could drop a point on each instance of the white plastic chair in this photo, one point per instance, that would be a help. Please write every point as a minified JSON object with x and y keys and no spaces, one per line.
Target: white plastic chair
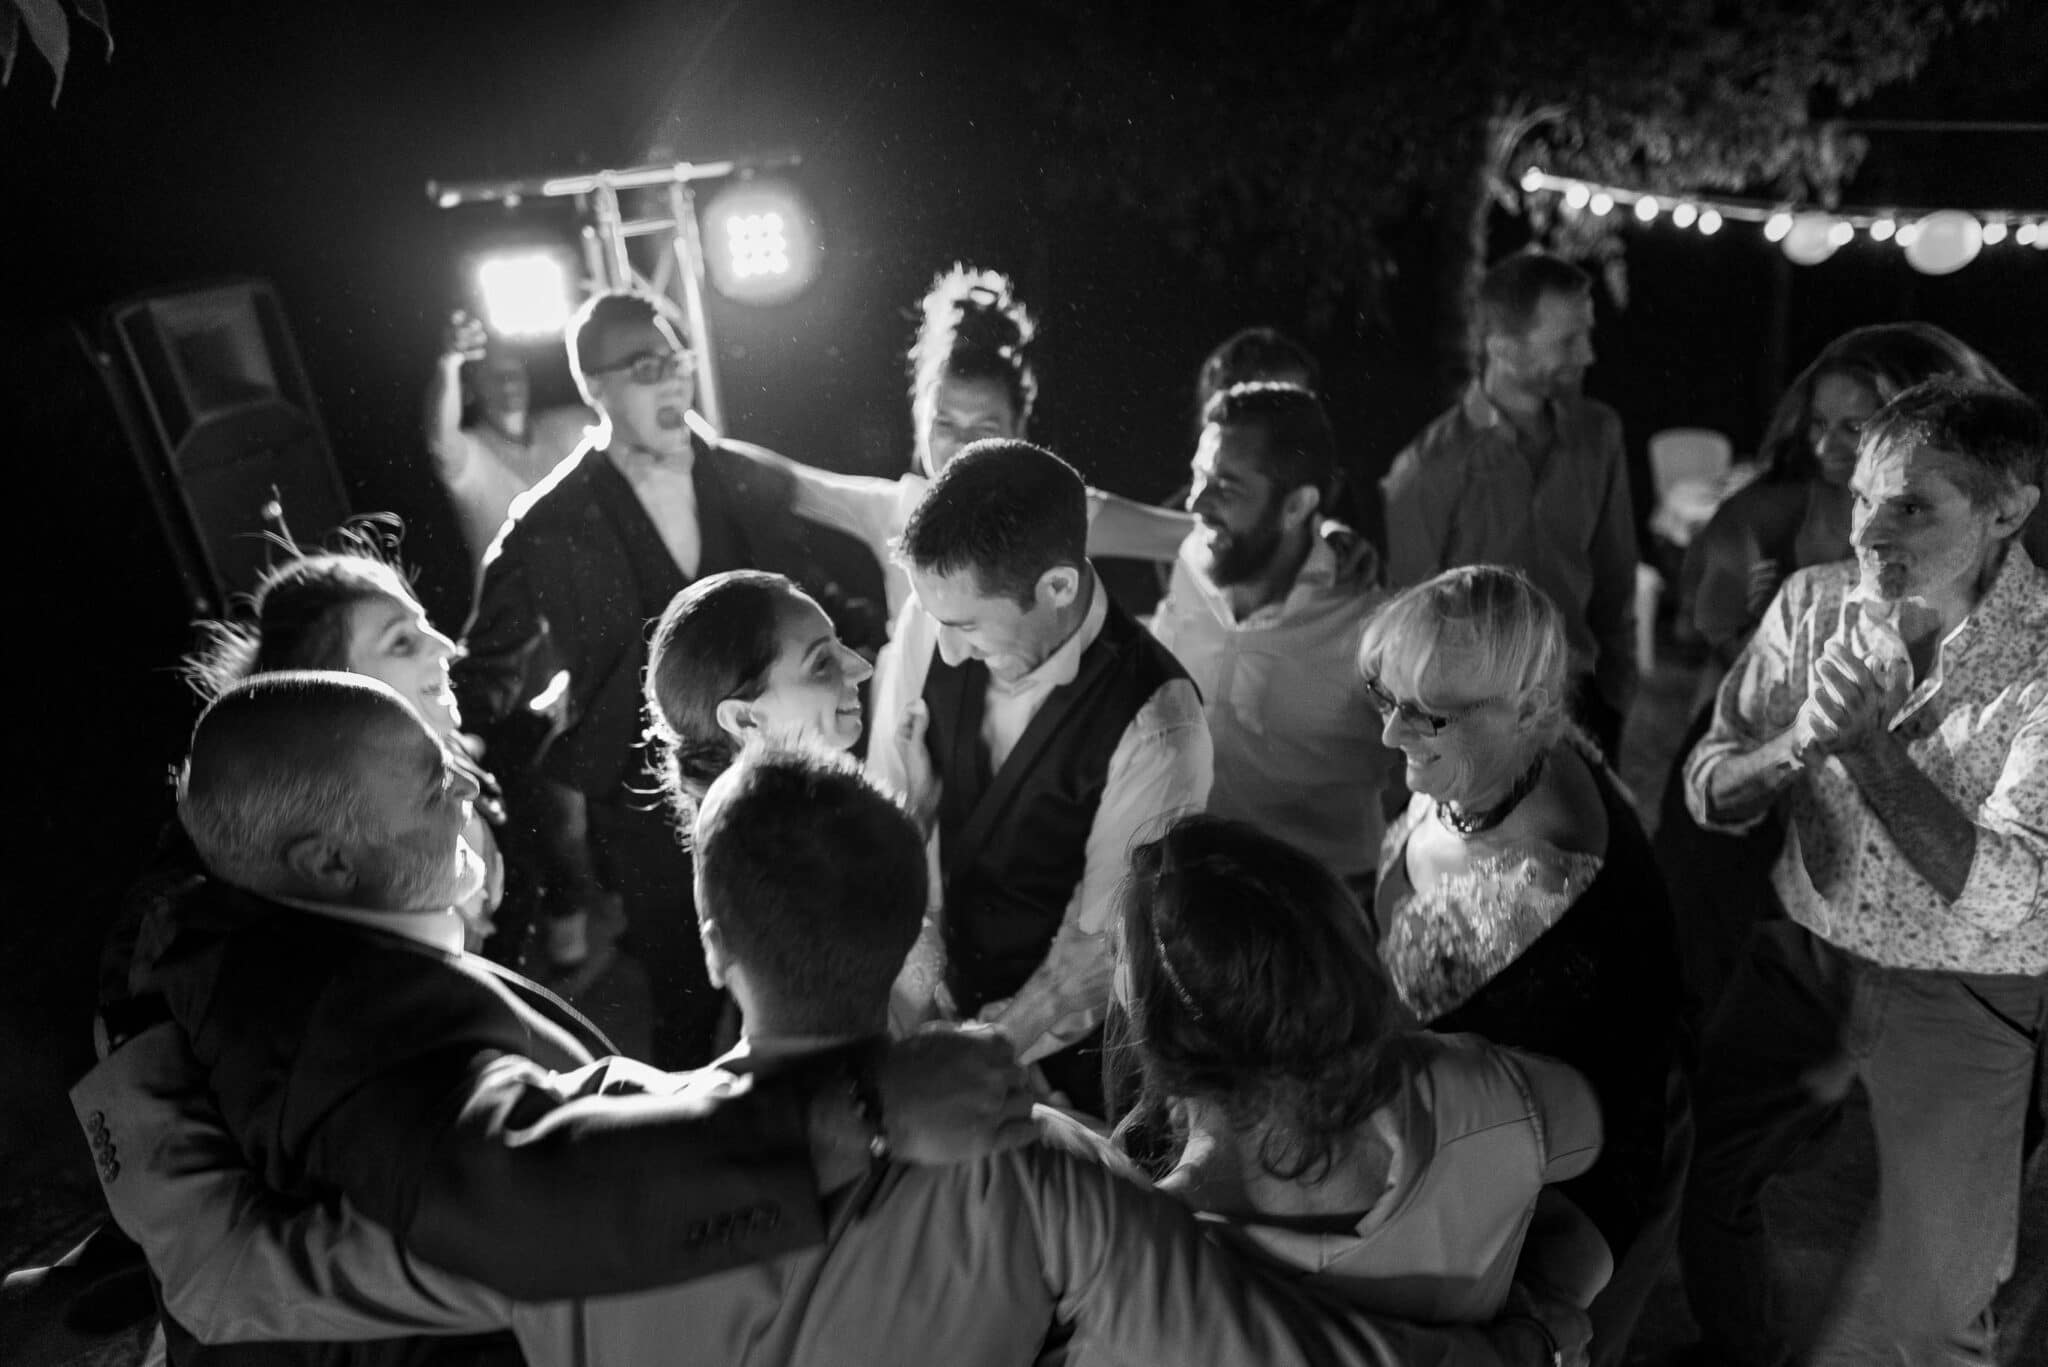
{"x":1686,"y":454}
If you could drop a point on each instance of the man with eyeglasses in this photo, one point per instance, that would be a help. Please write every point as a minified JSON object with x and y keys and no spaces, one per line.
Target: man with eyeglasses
{"x":556,"y":647}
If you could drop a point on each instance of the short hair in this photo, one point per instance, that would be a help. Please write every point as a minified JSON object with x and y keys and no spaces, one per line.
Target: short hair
{"x":717,"y":639}
{"x":1300,"y":447}
{"x":1007,"y":510}
{"x":1513,"y":288}
{"x":1255,"y":983}
{"x":297,"y":617}
{"x":972,"y":326}
{"x":606,"y":311}
{"x":1485,"y":623}
{"x":816,"y":878}
{"x":1253,"y":353}
{"x":1999,"y":434}
{"x":272,"y":761}
{"x":1888,"y":358}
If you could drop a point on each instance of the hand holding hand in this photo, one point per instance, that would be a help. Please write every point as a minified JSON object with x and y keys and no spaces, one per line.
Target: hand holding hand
{"x":948,"y":1096}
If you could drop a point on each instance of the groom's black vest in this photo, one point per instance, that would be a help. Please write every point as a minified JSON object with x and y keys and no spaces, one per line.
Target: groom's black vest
{"x":1012,"y":843}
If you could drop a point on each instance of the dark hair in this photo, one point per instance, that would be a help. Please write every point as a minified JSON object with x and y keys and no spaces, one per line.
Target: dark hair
{"x":297,"y":617}
{"x":1999,"y":433}
{"x":1007,"y":510}
{"x":1254,"y":353}
{"x":607,"y":311}
{"x":815,"y":877}
{"x":971,"y":326}
{"x":1885,"y":357}
{"x":1255,"y":984}
{"x":717,"y":639}
{"x":1300,"y":447}
{"x":1513,"y":288}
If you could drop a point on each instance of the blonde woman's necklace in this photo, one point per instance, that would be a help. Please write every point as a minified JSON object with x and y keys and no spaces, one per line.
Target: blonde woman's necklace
{"x":1467,"y":824}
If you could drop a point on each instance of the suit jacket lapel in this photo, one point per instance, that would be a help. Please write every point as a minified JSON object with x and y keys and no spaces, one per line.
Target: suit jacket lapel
{"x":655,"y":574}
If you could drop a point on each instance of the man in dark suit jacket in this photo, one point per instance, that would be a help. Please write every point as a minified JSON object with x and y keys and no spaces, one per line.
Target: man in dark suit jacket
{"x":354,"y":1051}
{"x":590,"y":556}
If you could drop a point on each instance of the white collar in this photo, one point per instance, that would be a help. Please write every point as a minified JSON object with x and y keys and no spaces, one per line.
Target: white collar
{"x":435,"y":929}
{"x":1063,"y":666}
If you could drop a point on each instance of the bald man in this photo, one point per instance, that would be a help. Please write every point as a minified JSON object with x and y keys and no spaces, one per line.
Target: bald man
{"x":353,"y":1049}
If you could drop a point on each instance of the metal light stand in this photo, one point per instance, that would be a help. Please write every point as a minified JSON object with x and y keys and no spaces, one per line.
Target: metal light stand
{"x":606,"y":230}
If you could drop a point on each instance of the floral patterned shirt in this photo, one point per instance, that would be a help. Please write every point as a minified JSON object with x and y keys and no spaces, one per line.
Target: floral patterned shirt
{"x":1977,"y":725}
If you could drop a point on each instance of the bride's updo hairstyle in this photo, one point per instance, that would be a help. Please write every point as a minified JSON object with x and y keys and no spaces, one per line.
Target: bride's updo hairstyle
{"x":971,"y":326}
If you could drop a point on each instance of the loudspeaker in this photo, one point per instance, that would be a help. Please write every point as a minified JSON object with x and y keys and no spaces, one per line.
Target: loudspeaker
{"x":225,"y":429}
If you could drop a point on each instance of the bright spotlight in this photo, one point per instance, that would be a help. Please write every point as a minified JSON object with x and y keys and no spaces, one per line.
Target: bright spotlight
{"x":1882,"y":230}
{"x":760,"y":242}
{"x":1710,"y":222}
{"x":525,"y":294}
{"x":1684,"y":214}
{"x":1602,"y":203}
{"x":1646,"y":208}
{"x":1777,"y":226}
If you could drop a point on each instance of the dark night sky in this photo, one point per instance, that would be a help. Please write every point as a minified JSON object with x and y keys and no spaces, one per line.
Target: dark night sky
{"x":292,"y":141}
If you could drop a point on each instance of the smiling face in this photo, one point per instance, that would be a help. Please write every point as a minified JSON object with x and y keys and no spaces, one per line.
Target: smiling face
{"x":1550,"y":360}
{"x":1915,"y":532}
{"x":1483,"y":746}
{"x":1835,"y":413}
{"x":644,"y":415}
{"x":391,"y":640}
{"x":813,"y":688}
{"x":1236,"y":504}
{"x":417,"y":803}
{"x":963,"y":411}
{"x":1005,"y":636}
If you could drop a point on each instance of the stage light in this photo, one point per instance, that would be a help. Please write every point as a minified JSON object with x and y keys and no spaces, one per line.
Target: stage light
{"x":1576,"y":196}
{"x":1602,"y":203}
{"x":524,"y":294}
{"x":1882,"y":230}
{"x":760,"y":242}
{"x":1994,"y":232}
{"x":1777,"y":226}
{"x":1684,"y":215}
{"x":1710,"y":222}
{"x":1646,"y":208}
{"x":1532,"y":180}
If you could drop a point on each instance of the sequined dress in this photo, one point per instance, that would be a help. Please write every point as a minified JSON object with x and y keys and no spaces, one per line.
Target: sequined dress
{"x":1565,"y":954}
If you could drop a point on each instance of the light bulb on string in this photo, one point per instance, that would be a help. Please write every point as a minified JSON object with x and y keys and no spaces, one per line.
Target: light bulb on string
{"x":1646,"y":209}
{"x":1602,"y":204}
{"x":1842,"y":233}
{"x":1576,"y":196}
{"x":1532,"y":180}
{"x":1907,"y":235}
{"x":1882,"y":230}
{"x":2026,"y":234}
{"x":1684,"y":215}
{"x":1994,"y":232}
{"x":1777,"y":226}
{"x":1710,"y":222}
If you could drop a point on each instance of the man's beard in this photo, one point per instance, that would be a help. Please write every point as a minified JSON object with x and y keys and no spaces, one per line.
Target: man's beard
{"x":1246,"y":556}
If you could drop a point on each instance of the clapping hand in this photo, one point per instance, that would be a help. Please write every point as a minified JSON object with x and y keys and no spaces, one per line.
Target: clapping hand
{"x":950,"y":1095}
{"x":1845,"y":704}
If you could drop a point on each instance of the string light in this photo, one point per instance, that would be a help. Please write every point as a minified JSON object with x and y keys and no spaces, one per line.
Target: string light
{"x":1951,"y":240}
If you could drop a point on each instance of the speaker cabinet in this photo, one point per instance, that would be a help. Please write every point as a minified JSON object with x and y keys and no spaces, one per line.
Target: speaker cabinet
{"x":226,"y":428}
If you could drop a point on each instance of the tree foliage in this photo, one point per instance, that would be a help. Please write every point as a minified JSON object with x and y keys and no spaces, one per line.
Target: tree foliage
{"x":49,"y":28}
{"x":1339,"y":146}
